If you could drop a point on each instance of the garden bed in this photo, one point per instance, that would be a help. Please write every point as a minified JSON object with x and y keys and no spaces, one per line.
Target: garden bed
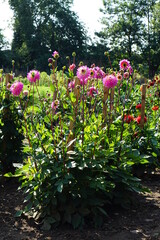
{"x":139,"y":222}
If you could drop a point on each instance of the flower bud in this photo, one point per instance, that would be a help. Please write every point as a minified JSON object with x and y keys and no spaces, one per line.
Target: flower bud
{"x":73,"y":54}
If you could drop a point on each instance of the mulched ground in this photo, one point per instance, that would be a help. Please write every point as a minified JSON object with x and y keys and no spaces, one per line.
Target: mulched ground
{"x":142,"y":221}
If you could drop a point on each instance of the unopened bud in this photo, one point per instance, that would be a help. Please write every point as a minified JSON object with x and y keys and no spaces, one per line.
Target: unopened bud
{"x":106,"y":54}
{"x":64,"y":68}
{"x":73,"y":54}
{"x":80,"y":64}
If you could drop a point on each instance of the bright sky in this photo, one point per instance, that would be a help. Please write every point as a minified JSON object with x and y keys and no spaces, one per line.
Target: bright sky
{"x":6,"y":16}
{"x":89,"y":14}
{"x":87,"y":10}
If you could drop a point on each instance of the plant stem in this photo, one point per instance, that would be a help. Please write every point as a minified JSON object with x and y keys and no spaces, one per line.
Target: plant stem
{"x":122,"y":128}
{"x":62,"y":141}
{"x":83,"y":118}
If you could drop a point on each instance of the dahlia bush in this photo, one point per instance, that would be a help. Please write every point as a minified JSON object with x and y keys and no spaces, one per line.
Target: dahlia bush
{"x":84,"y":142}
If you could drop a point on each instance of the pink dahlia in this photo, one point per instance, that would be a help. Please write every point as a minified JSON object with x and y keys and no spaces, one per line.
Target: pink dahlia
{"x":124,"y":64}
{"x":99,"y":73}
{"x":16,"y":88}
{"x":119,"y":76}
{"x":130,"y":69}
{"x":92,"y":91}
{"x":71,"y":85}
{"x":72,"y":66}
{"x":8,"y":86}
{"x":110,"y":81}
{"x":126,"y":75}
{"x":33,"y":76}
{"x":84,"y":82}
{"x":25,"y":92}
{"x":55,"y":104}
{"x":92,"y":73}
{"x":50,"y":60}
{"x":55,"y":54}
{"x":83,"y":73}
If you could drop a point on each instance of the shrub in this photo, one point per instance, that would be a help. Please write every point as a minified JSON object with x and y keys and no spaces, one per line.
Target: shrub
{"x":82,"y":147}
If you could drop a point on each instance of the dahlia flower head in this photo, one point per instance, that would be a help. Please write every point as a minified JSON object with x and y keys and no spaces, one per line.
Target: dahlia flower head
{"x":25,"y":92}
{"x":92,"y":91}
{"x":126,"y":75}
{"x":155,"y":108}
{"x":138,"y":119}
{"x":54,"y":104}
{"x":84,"y":82}
{"x":92,"y":73}
{"x":71,"y":85}
{"x":138,"y":106}
{"x":119,"y":77}
{"x":99,"y":73}
{"x":130,"y":70}
{"x":72,"y":67}
{"x":50,"y":60}
{"x":124,"y":64}
{"x":128,"y":118}
{"x":8,"y":86}
{"x":110,"y":81}
{"x":55,"y":54}
{"x":83,"y":73}
{"x":33,"y":76}
{"x":16,"y":88}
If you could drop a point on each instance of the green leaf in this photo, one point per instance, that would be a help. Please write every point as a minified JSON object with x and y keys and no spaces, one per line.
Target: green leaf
{"x":46,"y":226}
{"x":60,"y":187}
{"x":9,"y":174}
{"x":71,"y":142}
{"x":72,"y":96}
{"x":50,"y":220}
{"x":71,"y":152}
{"x":154,"y":154}
{"x":18,"y":213}
{"x":102,"y":211}
{"x":76,"y":220}
{"x":52,"y":87}
{"x":84,"y":211}
{"x":67,"y":217}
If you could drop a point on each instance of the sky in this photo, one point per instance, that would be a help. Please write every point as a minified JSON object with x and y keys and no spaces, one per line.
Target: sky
{"x":87,"y":10}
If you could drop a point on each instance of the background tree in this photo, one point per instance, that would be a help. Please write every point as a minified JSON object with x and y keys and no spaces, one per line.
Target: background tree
{"x":41,"y":27}
{"x":127,"y":30}
{"x":151,"y":50}
{"x":3,"y":46}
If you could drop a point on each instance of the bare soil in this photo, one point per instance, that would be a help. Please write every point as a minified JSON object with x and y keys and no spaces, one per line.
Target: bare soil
{"x":142,"y":221}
